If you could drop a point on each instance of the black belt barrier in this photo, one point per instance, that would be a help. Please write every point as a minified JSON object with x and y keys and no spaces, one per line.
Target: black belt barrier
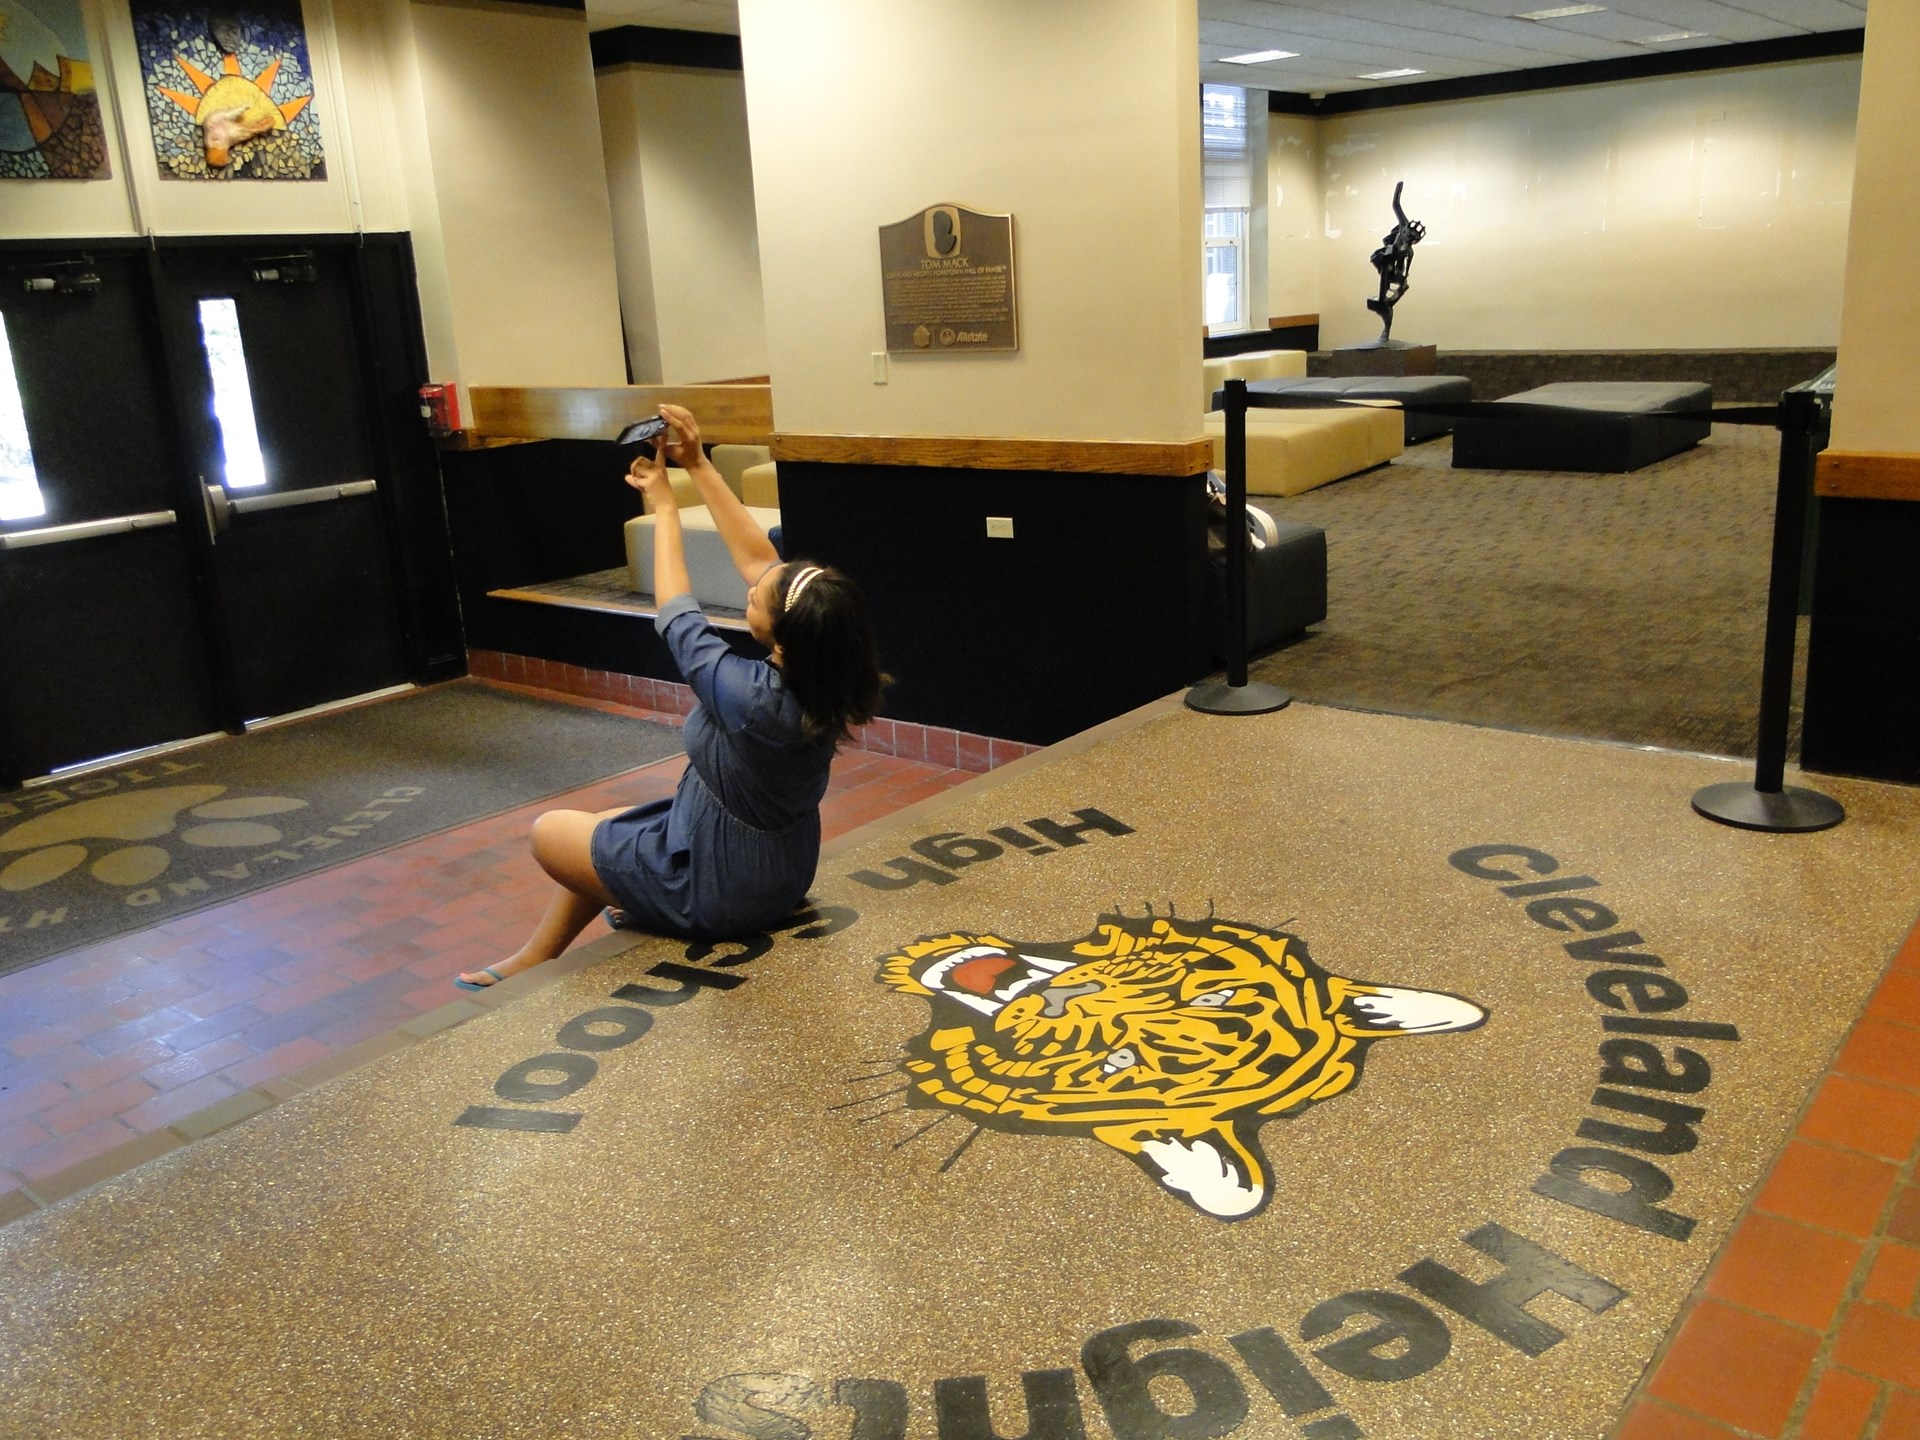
{"x":1805,"y":418}
{"x":1236,"y":695}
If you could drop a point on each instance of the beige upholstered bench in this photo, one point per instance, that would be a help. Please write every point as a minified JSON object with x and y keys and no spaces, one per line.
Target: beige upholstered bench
{"x":709,"y":566}
{"x":760,"y":485}
{"x":735,"y":463}
{"x":1254,"y":365}
{"x":1292,"y":451}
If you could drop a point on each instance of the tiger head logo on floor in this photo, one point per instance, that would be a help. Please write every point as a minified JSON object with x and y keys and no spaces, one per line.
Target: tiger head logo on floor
{"x":1172,"y":1041}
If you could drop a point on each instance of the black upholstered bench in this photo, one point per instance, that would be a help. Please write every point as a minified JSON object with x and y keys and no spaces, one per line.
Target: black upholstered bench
{"x":1596,"y":426}
{"x":1410,"y":392}
{"x":1286,"y":582}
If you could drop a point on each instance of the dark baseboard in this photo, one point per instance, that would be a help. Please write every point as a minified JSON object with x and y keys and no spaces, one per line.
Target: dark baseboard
{"x":1285,"y":337}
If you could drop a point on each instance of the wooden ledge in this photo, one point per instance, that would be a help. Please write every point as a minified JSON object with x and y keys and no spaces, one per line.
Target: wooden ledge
{"x":1867,"y":475}
{"x":728,"y":414}
{"x":970,"y":452}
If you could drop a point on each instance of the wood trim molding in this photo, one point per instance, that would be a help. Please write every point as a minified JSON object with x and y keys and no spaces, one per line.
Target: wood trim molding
{"x":1867,"y":475}
{"x":728,"y":414}
{"x":1291,"y":322}
{"x":972,"y":452}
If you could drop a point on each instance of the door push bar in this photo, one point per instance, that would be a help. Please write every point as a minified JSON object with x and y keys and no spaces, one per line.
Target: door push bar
{"x":222,"y":507}
{"x":87,"y":530}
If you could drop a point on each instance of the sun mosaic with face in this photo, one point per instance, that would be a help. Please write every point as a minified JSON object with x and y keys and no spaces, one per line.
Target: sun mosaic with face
{"x":233,"y":108}
{"x":230,"y":91}
{"x":1172,"y":1041}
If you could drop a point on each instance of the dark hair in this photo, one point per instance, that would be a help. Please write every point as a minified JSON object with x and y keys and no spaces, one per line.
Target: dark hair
{"x":829,"y":658}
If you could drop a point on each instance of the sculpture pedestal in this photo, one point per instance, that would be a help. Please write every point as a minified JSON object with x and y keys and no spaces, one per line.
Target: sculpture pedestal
{"x":1383,"y":357}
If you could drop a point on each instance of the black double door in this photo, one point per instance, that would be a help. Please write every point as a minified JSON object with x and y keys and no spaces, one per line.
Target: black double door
{"x":213,"y":538}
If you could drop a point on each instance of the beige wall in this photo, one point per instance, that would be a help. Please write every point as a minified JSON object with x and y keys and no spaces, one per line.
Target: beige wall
{"x":1079,"y":117}
{"x":39,"y":209}
{"x":1296,"y":213}
{"x":136,"y":200}
{"x":431,"y":126}
{"x":512,"y":133}
{"x":681,"y":179}
{"x":1873,"y":405}
{"x":1692,"y":211}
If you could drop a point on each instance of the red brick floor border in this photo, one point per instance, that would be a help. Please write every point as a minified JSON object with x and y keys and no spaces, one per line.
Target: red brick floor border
{"x":1808,"y":1325}
{"x":124,"y":1039}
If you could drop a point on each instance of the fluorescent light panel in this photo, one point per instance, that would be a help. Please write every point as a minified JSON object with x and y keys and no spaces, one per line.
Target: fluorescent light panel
{"x":1672,"y":35}
{"x":1389,"y":74}
{"x":1259,"y":57}
{"x":1559,"y":12}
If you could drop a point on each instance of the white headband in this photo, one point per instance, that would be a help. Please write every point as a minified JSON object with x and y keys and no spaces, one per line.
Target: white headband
{"x":800,"y":582}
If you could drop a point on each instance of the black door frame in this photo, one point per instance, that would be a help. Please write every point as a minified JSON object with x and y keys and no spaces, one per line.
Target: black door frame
{"x":391,"y":356}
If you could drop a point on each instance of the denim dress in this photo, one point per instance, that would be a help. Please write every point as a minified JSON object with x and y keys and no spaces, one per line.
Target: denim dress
{"x":735,"y":849}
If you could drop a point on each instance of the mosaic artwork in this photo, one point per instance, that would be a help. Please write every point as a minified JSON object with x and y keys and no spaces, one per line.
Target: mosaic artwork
{"x":229,"y":92}
{"x":1171,"y":1041}
{"x":50,"y":127}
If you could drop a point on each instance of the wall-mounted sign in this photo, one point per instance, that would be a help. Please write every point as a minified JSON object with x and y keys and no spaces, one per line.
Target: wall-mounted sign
{"x":947,"y":281}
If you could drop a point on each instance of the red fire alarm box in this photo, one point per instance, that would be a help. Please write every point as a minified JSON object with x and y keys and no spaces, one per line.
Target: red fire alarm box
{"x":440,"y":408}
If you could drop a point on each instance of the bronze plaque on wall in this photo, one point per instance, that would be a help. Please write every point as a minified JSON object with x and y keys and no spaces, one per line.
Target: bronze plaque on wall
{"x":947,"y":282}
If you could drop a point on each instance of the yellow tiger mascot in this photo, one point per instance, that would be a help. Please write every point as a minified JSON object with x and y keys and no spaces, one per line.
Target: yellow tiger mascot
{"x":1172,"y":1041}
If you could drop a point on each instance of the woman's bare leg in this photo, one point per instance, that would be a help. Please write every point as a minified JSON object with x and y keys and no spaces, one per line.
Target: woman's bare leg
{"x":562,"y":841}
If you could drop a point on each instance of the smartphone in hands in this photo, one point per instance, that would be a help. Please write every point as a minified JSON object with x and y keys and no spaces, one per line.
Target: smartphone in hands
{"x":643,"y":432}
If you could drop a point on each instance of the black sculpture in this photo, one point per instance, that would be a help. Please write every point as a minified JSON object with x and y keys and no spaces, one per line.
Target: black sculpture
{"x":1394,"y":259}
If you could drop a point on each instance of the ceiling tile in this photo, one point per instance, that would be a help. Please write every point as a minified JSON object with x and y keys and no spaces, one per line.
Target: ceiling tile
{"x":1338,"y":40}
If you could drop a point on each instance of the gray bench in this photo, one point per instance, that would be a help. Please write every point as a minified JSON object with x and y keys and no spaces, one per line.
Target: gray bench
{"x":1595,"y":426}
{"x":1410,"y":392}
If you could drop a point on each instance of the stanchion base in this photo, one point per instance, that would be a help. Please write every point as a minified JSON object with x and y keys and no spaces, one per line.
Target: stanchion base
{"x":1216,"y":697}
{"x":1788,"y":809}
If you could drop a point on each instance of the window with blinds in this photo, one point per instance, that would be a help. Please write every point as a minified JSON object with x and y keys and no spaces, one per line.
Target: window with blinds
{"x":1227,"y":181}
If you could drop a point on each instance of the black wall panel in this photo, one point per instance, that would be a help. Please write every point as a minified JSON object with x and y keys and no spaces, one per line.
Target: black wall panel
{"x":1862,"y":713}
{"x":396,"y":357}
{"x":1097,"y":604}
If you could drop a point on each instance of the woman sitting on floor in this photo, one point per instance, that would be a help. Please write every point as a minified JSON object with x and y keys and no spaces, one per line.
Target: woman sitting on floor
{"x":735,"y":849}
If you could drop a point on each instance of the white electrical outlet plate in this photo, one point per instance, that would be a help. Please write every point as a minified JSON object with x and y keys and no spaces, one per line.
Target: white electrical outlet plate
{"x":999,"y":527}
{"x":879,"y":367}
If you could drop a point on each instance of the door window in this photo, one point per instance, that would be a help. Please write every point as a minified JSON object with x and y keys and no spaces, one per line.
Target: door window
{"x":20,"y":497}
{"x":242,"y":464}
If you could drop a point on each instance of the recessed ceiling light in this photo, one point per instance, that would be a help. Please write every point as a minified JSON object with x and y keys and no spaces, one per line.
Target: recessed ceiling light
{"x":1673,"y":35}
{"x":1559,"y":12}
{"x":1259,"y":57}
{"x":1389,"y":74}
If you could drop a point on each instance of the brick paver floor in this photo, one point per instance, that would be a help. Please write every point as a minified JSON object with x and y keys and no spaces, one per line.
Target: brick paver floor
{"x":125,"y":1038}
{"x":1808,"y":1325}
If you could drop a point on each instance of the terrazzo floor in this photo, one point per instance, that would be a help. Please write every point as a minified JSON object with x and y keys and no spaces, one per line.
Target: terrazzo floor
{"x":1318,"y":1073}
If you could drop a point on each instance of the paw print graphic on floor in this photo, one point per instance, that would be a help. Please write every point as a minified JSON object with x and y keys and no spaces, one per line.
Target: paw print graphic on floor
{"x":55,"y":844}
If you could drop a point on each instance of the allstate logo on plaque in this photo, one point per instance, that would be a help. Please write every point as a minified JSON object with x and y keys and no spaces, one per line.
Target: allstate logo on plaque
{"x":1172,"y":1041}
{"x":946,"y":277}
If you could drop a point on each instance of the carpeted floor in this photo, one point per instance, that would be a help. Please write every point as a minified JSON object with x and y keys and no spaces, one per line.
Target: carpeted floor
{"x":129,"y":848}
{"x":1613,"y":607}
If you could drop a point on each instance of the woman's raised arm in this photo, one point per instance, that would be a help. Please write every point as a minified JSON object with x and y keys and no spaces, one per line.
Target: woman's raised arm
{"x":746,"y":542}
{"x":648,"y":475}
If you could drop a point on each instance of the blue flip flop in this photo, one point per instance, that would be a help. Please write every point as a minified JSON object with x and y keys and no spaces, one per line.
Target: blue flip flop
{"x":483,"y":970}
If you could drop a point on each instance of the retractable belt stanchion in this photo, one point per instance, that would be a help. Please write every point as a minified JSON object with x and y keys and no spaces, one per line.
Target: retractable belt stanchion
{"x":1767,"y":804}
{"x":1236,"y":696}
